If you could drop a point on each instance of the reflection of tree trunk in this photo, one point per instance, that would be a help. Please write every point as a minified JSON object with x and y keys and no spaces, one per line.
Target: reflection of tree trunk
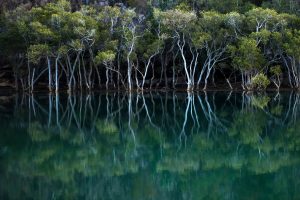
{"x":147,"y":113}
{"x":17,"y":104}
{"x":130,"y":114}
{"x":193,"y":109}
{"x":174,"y":99}
{"x":243,"y":100}
{"x":210,"y":115}
{"x":86,"y":99}
{"x":163,"y":111}
{"x":95,"y":116}
{"x":295,"y":108}
{"x":289,"y":108}
{"x":182,"y":132}
{"x":50,"y":109}
{"x":107,"y":107}
{"x":91,"y":108}
{"x":33,"y":105}
{"x":72,"y":112}
{"x":29,"y":111}
{"x":57,"y":110}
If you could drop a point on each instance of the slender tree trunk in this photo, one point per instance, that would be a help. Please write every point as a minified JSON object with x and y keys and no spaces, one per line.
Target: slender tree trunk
{"x":107,"y":76}
{"x":153,"y":76}
{"x":56,"y":75}
{"x":98,"y":77}
{"x":49,"y":74}
{"x":165,"y":71}
{"x":32,"y":80}
{"x":146,"y":70}
{"x":228,"y":81}
{"x":129,"y":67}
{"x":129,"y":71}
{"x":181,"y":46}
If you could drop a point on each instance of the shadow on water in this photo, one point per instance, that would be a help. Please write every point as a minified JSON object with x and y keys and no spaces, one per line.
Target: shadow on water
{"x":151,"y":146}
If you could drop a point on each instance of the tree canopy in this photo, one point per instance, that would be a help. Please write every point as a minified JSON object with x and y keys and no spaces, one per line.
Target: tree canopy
{"x":134,"y":45}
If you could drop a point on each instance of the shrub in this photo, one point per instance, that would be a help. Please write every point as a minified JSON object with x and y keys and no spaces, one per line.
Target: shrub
{"x":260,"y":82}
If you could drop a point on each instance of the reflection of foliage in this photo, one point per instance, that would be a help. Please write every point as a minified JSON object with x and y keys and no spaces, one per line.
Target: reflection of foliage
{"x":293,"y":135}
{"x":260,"y":101}
{"x":106,"y":127}
{"x":248,"y":126}
{"x":112,"y":162}
{"x":37,"y":133}
{"x":277,"y":110}
{"x":180,"y":164}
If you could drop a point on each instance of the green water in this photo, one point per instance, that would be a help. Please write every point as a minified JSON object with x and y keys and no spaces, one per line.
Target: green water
{"x":151,"y":146}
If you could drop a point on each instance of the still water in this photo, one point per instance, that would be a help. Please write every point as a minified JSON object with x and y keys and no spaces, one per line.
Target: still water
{"x":152,"y":146}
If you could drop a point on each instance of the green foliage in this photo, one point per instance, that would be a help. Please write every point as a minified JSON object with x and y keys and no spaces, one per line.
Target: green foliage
{"x":260,"y":82}
{"x":292,"y":42}
{"x":105,"y":57}
{"x":276,"y":70}
{"x":259,"y":16}
{"x":36,"y":52}
{"x":290,"y":6}
{"x":41,"y":32}
{"x":247,"y":56}
{"x":183,"y":6}
{"x":200,"y":38}
{"x":63,"y":50}
{"x":248,"y":36}
{"x":234,"y":20}
{"x":211,"y":19}
{"x":149,"y":44}
{"x":175,"y":19}
{"x":261,"y":36}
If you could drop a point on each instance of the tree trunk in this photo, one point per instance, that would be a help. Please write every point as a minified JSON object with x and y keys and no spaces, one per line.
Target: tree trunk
{"x":56,"y":75}
{"x":49,"y":75}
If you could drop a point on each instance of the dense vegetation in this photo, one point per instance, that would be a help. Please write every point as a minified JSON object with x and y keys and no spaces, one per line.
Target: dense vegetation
{"x":138,"y":45}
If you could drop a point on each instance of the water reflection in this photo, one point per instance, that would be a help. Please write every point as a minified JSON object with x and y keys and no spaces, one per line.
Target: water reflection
{"x":151,"y":146}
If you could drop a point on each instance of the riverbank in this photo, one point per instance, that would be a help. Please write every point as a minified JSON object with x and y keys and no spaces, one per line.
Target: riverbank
{"x":218,"y":88}
{"x":52,"y":46}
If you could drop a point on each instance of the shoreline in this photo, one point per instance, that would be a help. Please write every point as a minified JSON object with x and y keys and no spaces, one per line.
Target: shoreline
{"x":4,"y":91}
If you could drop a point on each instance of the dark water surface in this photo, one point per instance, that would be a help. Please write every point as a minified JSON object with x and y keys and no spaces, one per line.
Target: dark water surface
{"x":151,"y":146}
